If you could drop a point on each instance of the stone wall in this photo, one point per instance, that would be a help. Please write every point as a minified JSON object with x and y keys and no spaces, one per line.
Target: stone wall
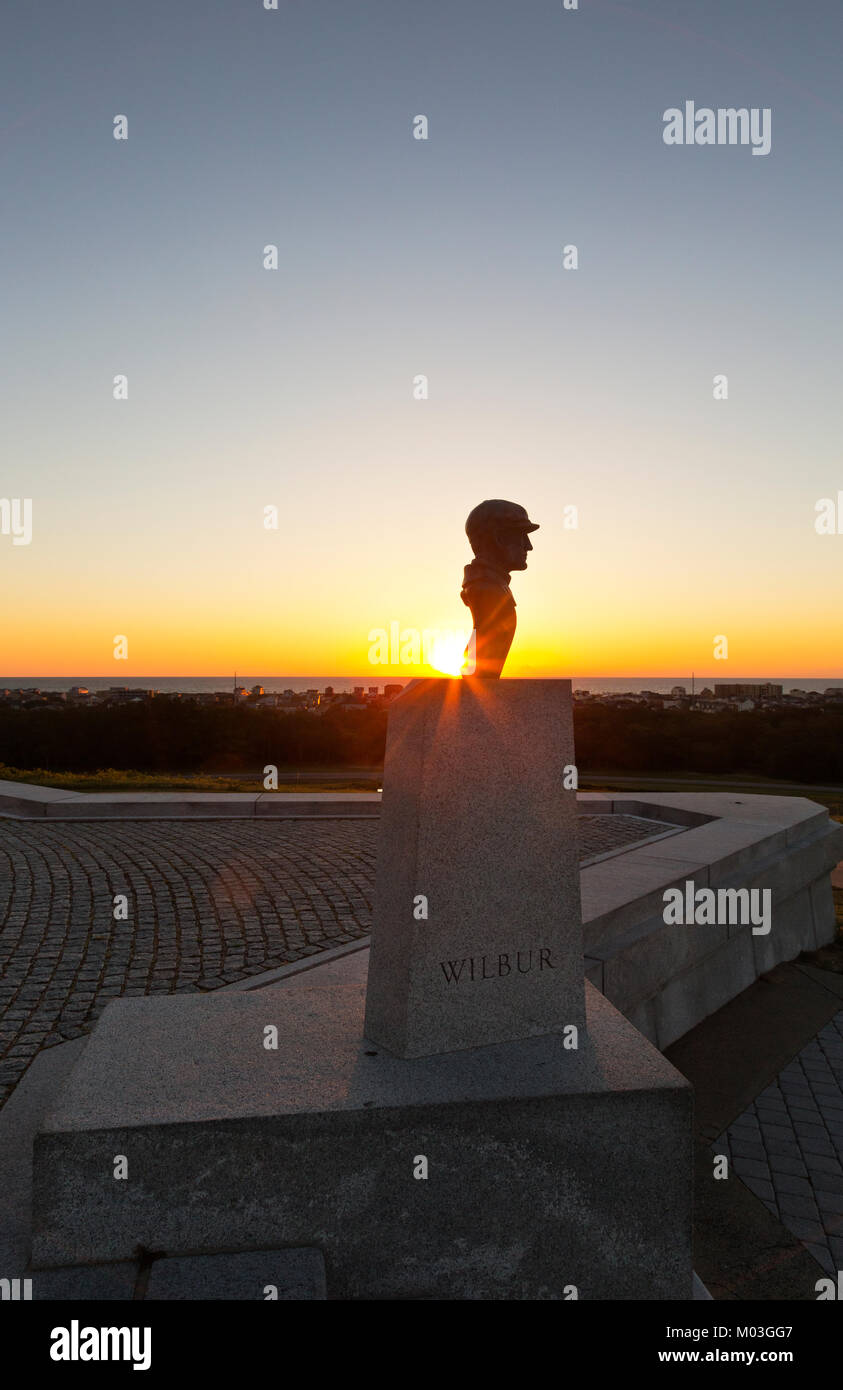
{"x":667,"y":978}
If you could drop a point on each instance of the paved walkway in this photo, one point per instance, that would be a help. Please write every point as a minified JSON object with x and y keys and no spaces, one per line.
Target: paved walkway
{"x":209,"y":904}
{"x":787,"y":1147}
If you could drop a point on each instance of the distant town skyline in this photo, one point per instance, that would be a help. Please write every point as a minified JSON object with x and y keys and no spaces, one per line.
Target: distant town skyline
{"x":186,"y":683}
{"x":670,"y":517}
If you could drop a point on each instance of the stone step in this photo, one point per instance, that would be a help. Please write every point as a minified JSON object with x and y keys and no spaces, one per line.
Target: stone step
{"x":546,"y":1167}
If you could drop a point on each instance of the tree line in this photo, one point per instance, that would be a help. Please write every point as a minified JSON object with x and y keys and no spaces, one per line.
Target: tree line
{"x":181,"y":736}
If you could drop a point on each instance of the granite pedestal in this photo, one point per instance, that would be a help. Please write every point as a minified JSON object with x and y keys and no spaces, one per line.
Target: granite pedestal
{"x":547,"y":1167}
{"x":477,"y":934}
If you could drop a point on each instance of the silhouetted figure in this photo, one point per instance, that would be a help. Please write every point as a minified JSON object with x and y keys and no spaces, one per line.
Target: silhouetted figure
{"x":499,"y":535}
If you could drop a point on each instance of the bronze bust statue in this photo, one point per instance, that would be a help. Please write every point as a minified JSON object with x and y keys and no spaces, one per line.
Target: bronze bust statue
{"x":499,"y":536}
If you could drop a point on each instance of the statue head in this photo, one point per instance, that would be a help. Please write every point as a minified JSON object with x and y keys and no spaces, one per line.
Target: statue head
{"x":499,"y":533}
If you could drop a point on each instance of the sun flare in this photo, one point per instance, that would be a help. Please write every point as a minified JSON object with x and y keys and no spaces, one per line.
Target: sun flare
{"x":451,"y":655}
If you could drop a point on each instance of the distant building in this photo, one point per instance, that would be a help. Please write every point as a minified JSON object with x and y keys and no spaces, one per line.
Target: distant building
{"x":79,"y":690}
{"x":257,"y":690}
{"x":329,"y":691}
{"x":391,"y":691}
{"x":125,"y":693}
{"x":240,"y":692}
{"x":373,"y":691}
{"x":764,"y":691}
{"x":679,"y":690}
{"x":358,"y":691}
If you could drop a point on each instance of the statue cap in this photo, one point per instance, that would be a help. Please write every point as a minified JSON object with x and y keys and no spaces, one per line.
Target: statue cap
{"x":494,"y":509}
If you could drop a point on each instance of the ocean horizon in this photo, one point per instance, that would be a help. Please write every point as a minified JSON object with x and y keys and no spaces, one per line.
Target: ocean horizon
{"x":201,"y":685}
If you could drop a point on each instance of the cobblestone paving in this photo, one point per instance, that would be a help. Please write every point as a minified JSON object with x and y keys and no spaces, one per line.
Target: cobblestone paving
{"x":787,"y":1147}
{"x":601,"y":834}
{"x":208,"y":904}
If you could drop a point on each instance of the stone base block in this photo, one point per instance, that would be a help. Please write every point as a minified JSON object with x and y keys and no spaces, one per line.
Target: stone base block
{"x":545,"y":1167}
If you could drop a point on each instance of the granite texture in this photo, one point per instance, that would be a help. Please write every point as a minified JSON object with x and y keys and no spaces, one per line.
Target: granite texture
{"x":475,"y":818}
{"x":102,"y":1282}
{"x":24,"y":799}
{"x":296,"y":1275}
{"x":547,"y":1166}
{"x":284,"y":1276}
